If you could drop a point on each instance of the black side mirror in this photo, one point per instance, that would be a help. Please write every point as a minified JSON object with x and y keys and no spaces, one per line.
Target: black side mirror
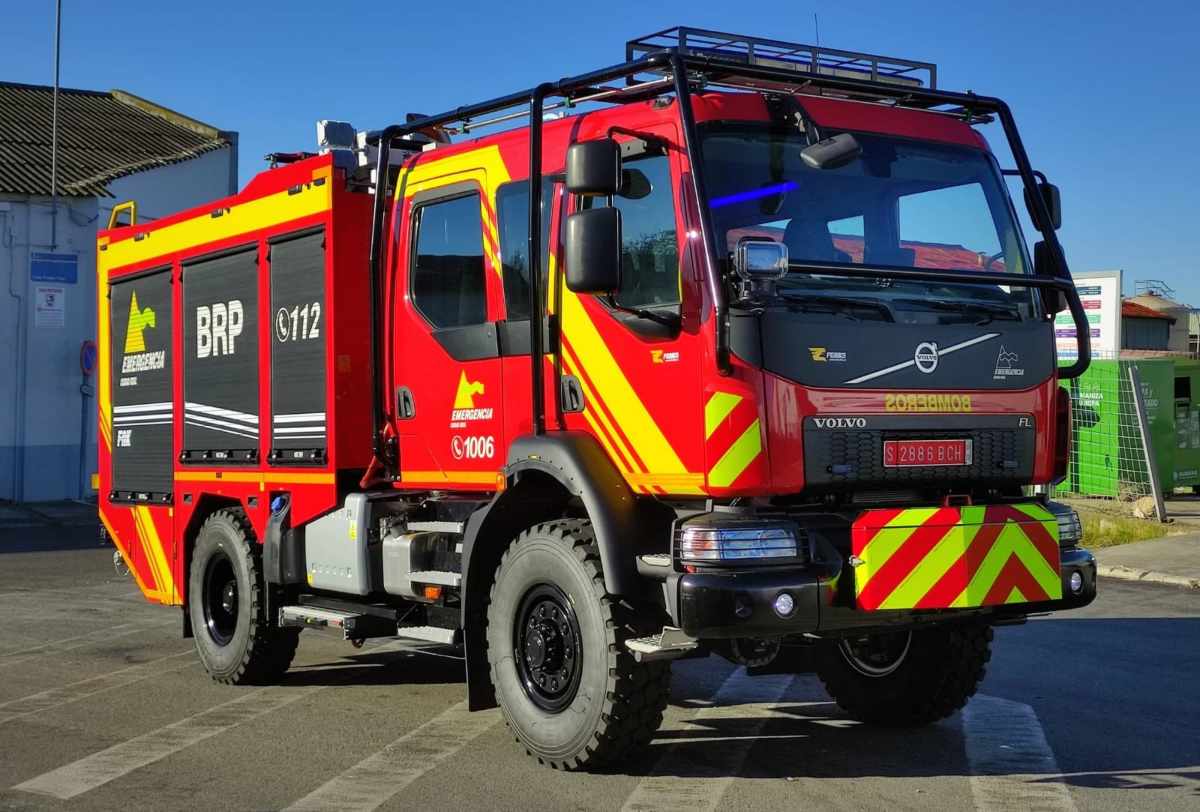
{"x":593,"y":251}
{"x":1053,"y":201}
{"x":1053,"y":299}
{"x":594,"y":167}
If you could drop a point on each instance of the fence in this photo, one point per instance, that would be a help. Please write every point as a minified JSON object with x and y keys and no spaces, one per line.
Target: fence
{"x":1108,"y":453}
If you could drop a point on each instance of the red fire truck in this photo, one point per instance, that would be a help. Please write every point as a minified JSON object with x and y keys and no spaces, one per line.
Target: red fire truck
{"x":793,"y":379}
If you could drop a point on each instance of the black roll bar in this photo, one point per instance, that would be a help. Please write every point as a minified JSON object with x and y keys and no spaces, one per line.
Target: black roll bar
{"x":715,"y":71}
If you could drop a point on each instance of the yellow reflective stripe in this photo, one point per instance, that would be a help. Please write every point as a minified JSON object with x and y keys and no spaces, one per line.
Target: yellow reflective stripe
{"x":202,"y":229}
{"x":473,"y":477}
{"x":148,"y":538}
{"x":103,"y":393}
{"x":887,"y":540}
{"x":298,"y":478}
{"x":123,"y":546}
{"x":921,"y":578}
{"x":621,"y":455}
{"x":717,"y":409}
{"x":739,"y":456}
{"x":432,"y":170}
{"x":596,"y":359}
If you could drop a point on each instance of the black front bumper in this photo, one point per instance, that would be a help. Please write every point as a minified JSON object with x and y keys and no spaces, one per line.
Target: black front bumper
{"x":714,"y":605}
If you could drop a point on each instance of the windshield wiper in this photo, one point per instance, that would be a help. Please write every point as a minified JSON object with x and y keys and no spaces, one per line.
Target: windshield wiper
{"x":991,"y":311}
{"x":836,"y":304}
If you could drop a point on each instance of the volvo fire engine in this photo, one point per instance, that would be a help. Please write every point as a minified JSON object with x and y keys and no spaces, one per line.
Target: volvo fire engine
{"x":733,"y":345}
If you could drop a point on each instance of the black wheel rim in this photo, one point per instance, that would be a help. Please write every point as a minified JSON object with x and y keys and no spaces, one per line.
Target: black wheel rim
{"x":220,"y":599}
{"x":548,"y":648}
{"x":876,"y":655}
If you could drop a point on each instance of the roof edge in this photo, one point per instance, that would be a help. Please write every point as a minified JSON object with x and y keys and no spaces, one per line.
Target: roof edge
{"x":166,"y":113}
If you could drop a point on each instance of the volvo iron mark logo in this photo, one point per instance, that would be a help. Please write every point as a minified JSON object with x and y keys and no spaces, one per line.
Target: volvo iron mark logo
{"x":840,"y":422}
{"x":926,"y":357}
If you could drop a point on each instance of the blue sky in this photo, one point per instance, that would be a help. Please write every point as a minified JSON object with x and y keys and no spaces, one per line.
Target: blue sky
{"x":1104,"y":92}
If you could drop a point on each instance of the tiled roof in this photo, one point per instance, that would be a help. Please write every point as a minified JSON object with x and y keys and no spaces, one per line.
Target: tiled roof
{"x":101,"y":137}
{"x":1140,"y":311}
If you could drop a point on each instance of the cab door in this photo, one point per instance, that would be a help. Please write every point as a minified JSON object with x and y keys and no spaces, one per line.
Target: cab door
{"x":447,"y":375}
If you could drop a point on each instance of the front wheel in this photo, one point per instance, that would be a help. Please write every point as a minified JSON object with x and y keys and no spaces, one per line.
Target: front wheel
{"x":235,"y":639}
{"x":569,"y":690}
{"x":906,"y":678}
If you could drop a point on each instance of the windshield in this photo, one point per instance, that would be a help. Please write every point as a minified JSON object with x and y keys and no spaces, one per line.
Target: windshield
{"x":902,"y":203}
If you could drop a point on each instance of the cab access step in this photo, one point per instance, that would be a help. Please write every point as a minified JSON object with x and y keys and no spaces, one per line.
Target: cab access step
{"x":360,"y":621}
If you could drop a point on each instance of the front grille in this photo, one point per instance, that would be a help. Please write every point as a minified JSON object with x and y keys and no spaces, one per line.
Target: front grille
{"x":1000,"y":455}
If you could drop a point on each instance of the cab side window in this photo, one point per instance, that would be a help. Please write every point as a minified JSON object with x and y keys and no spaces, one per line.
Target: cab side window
{"x":649,"y":248}
{"x":448,"y":281}
{"x":512,"y":211}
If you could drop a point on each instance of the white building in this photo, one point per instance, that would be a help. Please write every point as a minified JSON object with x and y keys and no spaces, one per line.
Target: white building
{"x":113,"y":147}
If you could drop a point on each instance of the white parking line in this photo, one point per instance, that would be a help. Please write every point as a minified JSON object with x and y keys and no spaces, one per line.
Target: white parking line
{"x":1012,"y":765}
{"x":98,"y":636}
{"x":75,"y":691}
{"x":121,"y":759}
{"x":377,"y":778}
{"x":741,"y":697}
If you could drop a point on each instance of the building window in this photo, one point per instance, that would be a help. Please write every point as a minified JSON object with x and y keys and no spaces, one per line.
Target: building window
{"x":448,"y":282}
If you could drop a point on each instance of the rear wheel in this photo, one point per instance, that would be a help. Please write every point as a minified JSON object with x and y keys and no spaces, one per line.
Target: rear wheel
{"x":907,"y":678}
{"x":235,"y":639}
{"x":569,"y":690}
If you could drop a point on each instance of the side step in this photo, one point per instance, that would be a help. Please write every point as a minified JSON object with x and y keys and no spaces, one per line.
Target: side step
{"x":354,"y":625}
{"x":669,"y":644}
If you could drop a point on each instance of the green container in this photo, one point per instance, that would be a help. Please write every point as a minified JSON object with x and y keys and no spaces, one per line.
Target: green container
{"x":1158,"y":394}
{"x":1095,"y":463}
{"x":1185,"y":468}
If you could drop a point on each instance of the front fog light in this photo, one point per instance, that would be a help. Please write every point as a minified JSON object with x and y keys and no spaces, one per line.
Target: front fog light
{"x":1076,"y":583}
{"x":785,"y":604}
{"x":712,"y":539}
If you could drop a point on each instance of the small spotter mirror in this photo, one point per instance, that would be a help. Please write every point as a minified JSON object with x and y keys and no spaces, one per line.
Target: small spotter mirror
{"x":832,"y":153}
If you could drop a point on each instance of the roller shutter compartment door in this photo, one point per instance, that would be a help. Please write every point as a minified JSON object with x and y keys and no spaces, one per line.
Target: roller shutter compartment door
{"x":299,"y":423}
{"x":220,"y":351}
{"x":140,"y":380}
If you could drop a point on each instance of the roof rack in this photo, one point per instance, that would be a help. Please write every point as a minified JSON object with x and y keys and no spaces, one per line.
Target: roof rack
{"x":740,"y":49}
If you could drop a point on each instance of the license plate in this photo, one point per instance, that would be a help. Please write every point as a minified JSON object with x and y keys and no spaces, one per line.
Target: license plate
{"x":917,"y":453}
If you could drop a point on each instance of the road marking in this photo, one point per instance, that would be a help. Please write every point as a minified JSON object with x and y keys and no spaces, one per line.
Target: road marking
{"x":121,"y":759}
{"x":56,"y":697}
{"x":1012,"y":765}
{"x":377,"y":778}
{"x":747,"y":699}
{"x":99,"y":636}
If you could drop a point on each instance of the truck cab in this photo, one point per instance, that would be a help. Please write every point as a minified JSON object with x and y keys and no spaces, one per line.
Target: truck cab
{"x":740,"y":347}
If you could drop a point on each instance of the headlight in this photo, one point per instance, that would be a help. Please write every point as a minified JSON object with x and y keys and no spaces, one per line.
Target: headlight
{"x":1070,"y":528}
{"x":713,"y":539}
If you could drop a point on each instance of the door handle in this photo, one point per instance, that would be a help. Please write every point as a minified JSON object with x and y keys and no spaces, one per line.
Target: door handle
{"x":572,"y":394}
{"x":406,"y":407}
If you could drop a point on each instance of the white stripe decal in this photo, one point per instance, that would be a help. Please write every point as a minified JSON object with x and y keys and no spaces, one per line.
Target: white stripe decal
{"x":379,"y":777}
{"x":1012,"y":765}
{"x":246,"y":434}
{"x":299,"y":430}
{"x":301,"y":417}
{"x":879,"y":373}
{"x":121,"y":759}
{"x":212,"y":421}
{"x":228,"y":414}
{"x":164,"y":406}
{"x":748,"y":700}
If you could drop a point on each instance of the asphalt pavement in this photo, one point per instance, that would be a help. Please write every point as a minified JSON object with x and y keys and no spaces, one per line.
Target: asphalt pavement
{"x":103,"y":706}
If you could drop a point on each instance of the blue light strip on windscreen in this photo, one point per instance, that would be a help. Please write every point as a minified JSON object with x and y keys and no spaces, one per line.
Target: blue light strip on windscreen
{"x":753,"y":194}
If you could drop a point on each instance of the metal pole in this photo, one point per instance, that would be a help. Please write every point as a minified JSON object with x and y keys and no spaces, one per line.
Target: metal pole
{"x":1135,"y":380}
{"x":54,"y":129}
{"x":536,"y":305}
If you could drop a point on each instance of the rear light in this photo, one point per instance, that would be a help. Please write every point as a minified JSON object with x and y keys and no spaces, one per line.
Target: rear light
{"x":1062,"y":433}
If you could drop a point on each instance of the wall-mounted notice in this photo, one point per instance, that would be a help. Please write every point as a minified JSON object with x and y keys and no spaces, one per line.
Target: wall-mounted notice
{"x":49,"y":306}
{"x":1100,"y":292}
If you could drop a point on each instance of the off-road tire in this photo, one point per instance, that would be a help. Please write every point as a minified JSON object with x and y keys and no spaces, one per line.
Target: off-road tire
{"x":619,"y":703}
{"x":258,"y":651}
{"x":940,"y":672}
